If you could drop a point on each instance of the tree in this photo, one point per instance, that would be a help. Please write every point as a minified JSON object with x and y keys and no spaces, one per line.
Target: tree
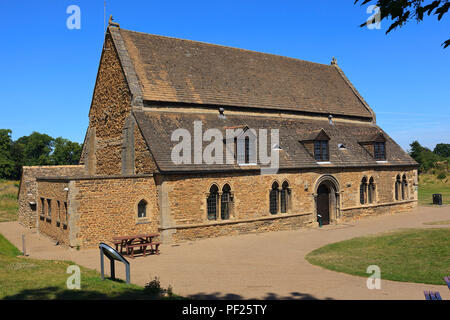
{"x":36,"y":149}
{"x":402,"y":11}
{"x":442,"y":149}
{"x":424,"y":156}
{"x":6,"y":164}
{"x":65,"y":152}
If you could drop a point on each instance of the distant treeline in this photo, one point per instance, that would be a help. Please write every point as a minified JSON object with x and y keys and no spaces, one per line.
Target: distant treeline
{"x":439,"y":158}
{"x":37,"y":149}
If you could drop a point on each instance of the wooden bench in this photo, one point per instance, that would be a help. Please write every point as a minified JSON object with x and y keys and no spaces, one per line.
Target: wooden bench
{"x":447,"y":281}
{"x":118,"y":243}
{"x":143,"y":247}
{"x":156,"y":249}
{"x":430,"y":295}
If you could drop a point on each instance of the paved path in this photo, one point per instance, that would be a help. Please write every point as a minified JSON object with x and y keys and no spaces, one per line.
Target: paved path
{"x":261,"y":266}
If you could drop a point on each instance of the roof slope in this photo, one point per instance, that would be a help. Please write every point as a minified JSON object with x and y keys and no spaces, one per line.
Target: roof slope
{"x":157,"y":128}
{"x":175,"y":70}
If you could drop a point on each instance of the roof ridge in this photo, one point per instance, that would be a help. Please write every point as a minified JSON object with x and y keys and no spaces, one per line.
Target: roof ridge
{"x":227,"y":47}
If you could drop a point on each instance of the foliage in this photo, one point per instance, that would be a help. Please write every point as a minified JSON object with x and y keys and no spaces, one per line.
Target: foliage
{"x":441,"y":176}
{"x":6,"y":162}
{"x":442,"y":149}
{"x":66,"y":152}
{"x":418,"y":255}
{"x":402,"y":11}
{"x":426,"y":158}
{"x":36,"y":149}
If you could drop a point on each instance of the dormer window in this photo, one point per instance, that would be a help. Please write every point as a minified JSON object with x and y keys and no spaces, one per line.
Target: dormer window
{"x":380,"y":151}
{"x":375,"y":146}
{"x":316,"y":143}
{"x":321,"y":150}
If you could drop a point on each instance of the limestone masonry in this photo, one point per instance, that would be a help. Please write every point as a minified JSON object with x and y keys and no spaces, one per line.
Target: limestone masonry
{"x":333,"y":162}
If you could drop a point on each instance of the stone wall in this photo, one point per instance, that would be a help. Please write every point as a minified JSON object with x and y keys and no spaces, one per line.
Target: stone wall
{"x":109,"y":111}
{"x":187,"y":205}
{"x":28,"y":189}
{"x":101,"y":208}
{"x":53,"y":223}
{"x":144,"y":162}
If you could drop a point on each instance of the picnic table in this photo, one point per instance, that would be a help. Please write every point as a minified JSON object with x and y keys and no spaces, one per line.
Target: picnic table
{"x":141,"y":241}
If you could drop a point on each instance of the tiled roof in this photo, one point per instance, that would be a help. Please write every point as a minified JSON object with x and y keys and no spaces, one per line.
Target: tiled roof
{"x":184,"y":71}
{"x":157,"y":128}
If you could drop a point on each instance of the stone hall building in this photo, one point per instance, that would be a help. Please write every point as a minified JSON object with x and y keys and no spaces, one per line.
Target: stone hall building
{"x":176,"y":143}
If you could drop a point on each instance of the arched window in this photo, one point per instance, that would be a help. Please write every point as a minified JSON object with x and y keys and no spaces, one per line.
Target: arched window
{"x":404,"y":187}
{"x":225,"y":202}
{"x":247,"y":149}
{"x":212,"y":200}
{"x":284,"y":197}
{"x":142,"y":209}
{"x":273,"y":197}
{"x":371,"y":193}
{"x":363,"y":191}
{"x":397,"y":187}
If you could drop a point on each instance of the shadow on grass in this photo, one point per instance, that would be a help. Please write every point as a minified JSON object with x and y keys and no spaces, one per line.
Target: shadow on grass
{"x":58,"y":293}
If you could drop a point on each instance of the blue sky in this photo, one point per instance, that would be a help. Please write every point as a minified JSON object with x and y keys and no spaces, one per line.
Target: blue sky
{"x":49,"y":71}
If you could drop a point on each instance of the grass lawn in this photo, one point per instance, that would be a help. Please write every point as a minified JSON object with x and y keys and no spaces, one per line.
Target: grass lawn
{"x":429,"y":184}
{"x":417,"y":255}
{"x":24,"y":278}
{"x":8,"y":200}
{"x":437,"y":223}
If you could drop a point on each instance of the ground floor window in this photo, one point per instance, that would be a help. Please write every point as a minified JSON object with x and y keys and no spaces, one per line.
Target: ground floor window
{"x":397,"y":187}
{"x":212,"y":201}
{"x":273,"y":198}
{"x":225,"y":202}
{"x":285,"y":195}
{"x":142,"y":209}
{"x":363,"y":191}
{"x":404,"y":187}
{"x":371,"y":190}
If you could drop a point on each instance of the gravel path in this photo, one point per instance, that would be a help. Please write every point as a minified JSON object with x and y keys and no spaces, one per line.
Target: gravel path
{"x":260,"y":266}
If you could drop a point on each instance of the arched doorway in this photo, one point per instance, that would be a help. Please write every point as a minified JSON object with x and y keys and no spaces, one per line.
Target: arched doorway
{"x":327,"y":199}
{"x":323,"y":204}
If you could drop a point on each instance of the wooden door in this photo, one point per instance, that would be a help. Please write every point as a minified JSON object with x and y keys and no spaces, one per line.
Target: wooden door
{"x":323,"y":204}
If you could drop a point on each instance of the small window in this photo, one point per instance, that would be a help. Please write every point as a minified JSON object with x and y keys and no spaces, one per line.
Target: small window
{"x":225,"y":202}
{"x":397,"y":187}
{"x":42,"y":206}
{"x":285,"y":197}
{"x":211,"y":202}
{"x":404,"y":188}
{"x":321,"y":150}
{"x":380,"y":151}
{"x":58,"y":213}
{"x":66,"y":214}
{"x":371,"y":193}
{"x":142,"y":209}
{"x":363,"y":191}
{"x":273,"y":198}
{"x":49,"y":208}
